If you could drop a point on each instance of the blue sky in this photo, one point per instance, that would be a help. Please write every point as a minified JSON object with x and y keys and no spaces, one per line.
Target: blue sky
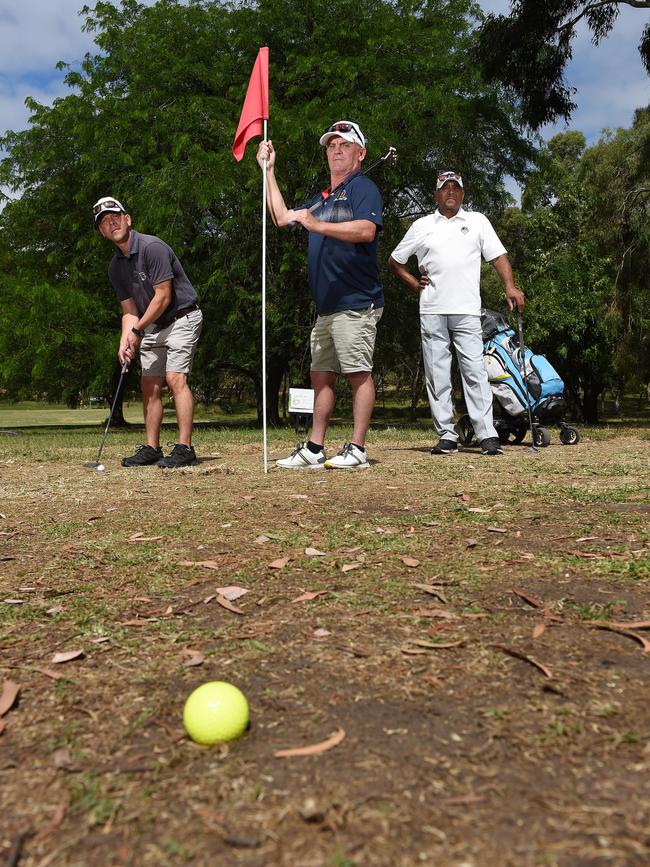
{"x":35,"y":34}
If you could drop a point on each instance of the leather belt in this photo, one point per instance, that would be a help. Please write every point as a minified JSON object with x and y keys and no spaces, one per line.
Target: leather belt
{"x":178,"y":315}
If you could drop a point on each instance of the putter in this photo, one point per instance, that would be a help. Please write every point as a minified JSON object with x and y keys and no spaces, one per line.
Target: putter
{"x":522,"y":370}
{"x":94,"y":464}
{"x":390,"y":157}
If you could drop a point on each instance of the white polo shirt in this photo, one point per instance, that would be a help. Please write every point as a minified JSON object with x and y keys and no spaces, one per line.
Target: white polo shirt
{"x":449,"y":251}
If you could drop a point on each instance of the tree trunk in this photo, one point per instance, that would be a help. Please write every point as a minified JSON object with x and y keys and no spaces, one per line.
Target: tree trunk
{"x":590,"y":405}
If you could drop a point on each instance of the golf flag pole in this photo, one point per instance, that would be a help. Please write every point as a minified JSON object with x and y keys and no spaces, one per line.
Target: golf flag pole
{"x":252,"y":122}
{"x":264,"y":182}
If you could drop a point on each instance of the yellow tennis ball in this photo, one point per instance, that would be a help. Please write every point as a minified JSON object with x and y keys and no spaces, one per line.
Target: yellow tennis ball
{"x":215,"y":712}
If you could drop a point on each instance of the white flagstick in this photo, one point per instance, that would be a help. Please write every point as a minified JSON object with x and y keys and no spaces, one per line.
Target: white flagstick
{"x":266,"y":460}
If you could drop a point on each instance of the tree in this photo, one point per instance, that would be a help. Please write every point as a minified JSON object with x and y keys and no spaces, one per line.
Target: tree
{"x":581,"y":249}
{"x":151,"y":117}
{"x":528,"y":50}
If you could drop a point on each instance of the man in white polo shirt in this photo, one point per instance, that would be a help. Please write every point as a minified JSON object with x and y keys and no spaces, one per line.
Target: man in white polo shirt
{"x":448,"y":246}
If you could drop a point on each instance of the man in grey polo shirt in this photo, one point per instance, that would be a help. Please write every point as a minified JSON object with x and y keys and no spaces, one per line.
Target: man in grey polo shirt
{"x":448,"y":246}
{"x":161,"y":315}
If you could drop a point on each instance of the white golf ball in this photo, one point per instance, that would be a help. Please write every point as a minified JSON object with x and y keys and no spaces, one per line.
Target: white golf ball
{"x":100,"y":468}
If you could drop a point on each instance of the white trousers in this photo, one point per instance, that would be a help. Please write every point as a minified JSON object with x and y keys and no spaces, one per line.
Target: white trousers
{"x":438,"y":333}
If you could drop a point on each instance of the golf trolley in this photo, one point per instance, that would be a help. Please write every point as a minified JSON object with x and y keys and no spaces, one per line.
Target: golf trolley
{"x":529,"y":391}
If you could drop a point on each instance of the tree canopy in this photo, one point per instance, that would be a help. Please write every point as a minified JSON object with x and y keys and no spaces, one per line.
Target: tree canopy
{"x":150,"y":118}
{"x":529,"y":50}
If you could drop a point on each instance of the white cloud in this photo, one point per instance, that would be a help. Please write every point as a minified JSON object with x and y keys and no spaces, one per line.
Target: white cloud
{"x":35,"y":34}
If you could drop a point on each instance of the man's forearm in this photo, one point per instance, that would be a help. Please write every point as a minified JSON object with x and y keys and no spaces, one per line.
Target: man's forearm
{"x":279,"y":212}
{"x":403,"y":273}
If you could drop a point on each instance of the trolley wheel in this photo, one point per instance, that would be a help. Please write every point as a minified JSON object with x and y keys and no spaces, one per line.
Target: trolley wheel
{"x":569,"y":436}
{"x":541,"y":437}
{"x":511,"y":435}
{"x":465,"y":430}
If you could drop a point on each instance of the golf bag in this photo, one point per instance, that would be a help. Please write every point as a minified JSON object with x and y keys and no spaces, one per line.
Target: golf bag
{"x":542,"y":391}
{"x":501,"y":353}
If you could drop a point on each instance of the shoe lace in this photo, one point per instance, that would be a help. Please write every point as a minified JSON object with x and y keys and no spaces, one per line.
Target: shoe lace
{"x":345,"y":451}
{"x":299,"y":448}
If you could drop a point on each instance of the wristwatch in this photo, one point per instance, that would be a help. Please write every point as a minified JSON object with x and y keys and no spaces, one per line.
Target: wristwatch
{"x":139,"y":331}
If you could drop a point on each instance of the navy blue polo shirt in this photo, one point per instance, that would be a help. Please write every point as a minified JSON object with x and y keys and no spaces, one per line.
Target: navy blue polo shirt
{"x":150,"y":261}
{"x":344,"y":276}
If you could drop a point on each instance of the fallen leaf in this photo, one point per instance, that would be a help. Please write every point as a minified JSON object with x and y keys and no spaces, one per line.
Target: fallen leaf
{"x":539,"y":630}
{"x":471,"y":543}
{"x":536,"y":603}
{"x":496,"y":530}
{"x":140,"y":537}
{"x":62,"y":758}
{"x":588,"y":538}
{"x":13,"y":601}
{"x":228,"y":605}
{"x":192,"y":658}
{"x":101,"y":640}
{"x":139,"y":621}
{"x":205,"y":564}
{"x":348,"y":567}
{"x":321,"y":633}
{"x":314,"y":749}
{"x":57,"y":821}
{"x":67,"y":656}
{"x":314,"y":552}
{"x":232,"y":592}
{"x":601,"y":624}
{"x":279,"y":564}
{"x":436,"y":612}
{"x":411,"y":562}
{"x":432,"y":645}
{"x":433,"y":591}
{"x":261,"y":539}
{"x":55,"y":675}
{"x":8,"y":696}
{"x":529,"y":659}
{"x":312,"y":594}
{"x":478,"y":510}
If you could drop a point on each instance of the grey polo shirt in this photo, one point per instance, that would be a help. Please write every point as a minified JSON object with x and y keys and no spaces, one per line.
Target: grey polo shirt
{"x":150,"y":261}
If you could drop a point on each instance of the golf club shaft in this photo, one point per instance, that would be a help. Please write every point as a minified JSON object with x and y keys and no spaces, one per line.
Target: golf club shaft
{"x":390,"y":155}
{"x":522,"y":366}
{"x":125,"y":368}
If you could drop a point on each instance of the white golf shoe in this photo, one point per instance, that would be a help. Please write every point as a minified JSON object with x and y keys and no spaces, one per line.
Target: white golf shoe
{"x":303,"y":459}
{"x":349,"y":458}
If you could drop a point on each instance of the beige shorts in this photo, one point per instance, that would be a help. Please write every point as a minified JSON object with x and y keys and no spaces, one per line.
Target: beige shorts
{"x":171,"y":350}
{"x":344,"y":342}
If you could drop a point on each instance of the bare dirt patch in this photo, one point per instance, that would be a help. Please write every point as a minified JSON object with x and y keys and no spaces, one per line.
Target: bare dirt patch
{"x":469,"y":636}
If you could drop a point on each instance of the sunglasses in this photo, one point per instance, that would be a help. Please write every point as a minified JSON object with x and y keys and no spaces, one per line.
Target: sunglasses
{"x":105,"y":205}
{"x":346,"y":127}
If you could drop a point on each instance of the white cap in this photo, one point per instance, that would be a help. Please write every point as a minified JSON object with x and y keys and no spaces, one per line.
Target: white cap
{"x":107,"y":205}
{"x":347,"y":129}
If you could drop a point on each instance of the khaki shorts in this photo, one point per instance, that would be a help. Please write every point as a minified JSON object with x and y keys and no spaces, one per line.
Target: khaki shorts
{"x":171,"y":349}
{"x":344,"y":342}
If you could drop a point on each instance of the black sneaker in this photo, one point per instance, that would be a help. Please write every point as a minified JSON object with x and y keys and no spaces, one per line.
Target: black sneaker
{"x":144,"y":456}
{"x":491,"y":446}
{"x":180,"y":456}
{"x":445,"y":447}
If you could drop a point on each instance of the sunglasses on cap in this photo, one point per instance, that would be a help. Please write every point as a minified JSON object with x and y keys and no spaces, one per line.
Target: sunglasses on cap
{"x":344,"y":126}
{"x":443,"y":177}
{"x":106,"y":205}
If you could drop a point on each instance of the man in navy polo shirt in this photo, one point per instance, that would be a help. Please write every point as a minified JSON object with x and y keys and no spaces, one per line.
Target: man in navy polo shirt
{"x":159,"y":313}
{"x":343,"y":224}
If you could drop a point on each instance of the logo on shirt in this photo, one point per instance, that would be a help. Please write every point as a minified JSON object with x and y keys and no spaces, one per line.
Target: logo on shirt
{"x":464,"y":230}
{"x":341,"y":196}
{"x":142,"y":277}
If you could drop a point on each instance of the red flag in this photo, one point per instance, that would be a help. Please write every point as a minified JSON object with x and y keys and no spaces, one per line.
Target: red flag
{"x":256,"y":105}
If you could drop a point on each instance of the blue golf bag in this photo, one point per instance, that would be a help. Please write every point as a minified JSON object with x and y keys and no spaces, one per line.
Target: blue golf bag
{"x":542,"y":390}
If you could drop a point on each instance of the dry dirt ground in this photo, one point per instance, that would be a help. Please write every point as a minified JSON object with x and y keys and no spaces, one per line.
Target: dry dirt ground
{"x":474,"y":630}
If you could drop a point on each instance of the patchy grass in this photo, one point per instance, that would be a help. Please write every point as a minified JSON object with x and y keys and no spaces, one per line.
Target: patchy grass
{"x":465,"y":640}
